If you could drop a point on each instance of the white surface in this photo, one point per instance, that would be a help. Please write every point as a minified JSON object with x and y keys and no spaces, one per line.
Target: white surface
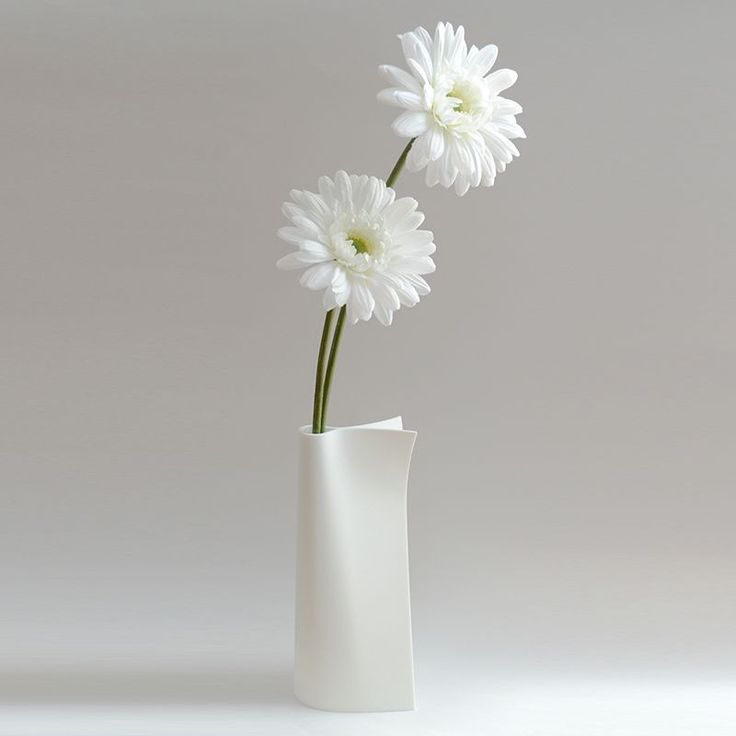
{"x":447,"y":707}
{"x":353,"y":614}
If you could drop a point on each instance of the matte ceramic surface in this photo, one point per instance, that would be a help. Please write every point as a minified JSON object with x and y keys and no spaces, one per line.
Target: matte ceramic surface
{"x":353,"y":618}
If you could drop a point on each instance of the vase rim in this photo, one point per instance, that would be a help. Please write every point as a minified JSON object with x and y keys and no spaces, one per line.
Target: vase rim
{"x":392,"y":424}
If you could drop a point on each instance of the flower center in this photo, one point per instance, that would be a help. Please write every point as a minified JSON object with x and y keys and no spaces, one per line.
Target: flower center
{"x":461,"y":104}
{"x":464,"y":99}
{"x":361,"y":243}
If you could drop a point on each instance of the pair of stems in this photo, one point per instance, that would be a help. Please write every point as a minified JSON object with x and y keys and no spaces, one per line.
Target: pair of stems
{"x":323,"y":380}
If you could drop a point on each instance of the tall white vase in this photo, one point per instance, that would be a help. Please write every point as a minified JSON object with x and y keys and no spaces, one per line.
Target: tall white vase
{"x":353,"y":618}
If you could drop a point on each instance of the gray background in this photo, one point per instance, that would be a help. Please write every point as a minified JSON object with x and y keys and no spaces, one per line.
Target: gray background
{"x":572,"y":375}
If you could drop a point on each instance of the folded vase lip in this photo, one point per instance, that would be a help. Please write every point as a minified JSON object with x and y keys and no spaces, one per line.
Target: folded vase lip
{"x":393,"y":424}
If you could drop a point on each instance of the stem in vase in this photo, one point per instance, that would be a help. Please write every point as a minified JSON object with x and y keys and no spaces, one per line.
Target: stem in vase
{"x":320,"y":376}
{"x":331,"y":365}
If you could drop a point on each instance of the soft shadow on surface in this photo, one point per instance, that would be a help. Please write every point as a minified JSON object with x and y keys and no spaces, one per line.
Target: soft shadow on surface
{"x":243,"y":687}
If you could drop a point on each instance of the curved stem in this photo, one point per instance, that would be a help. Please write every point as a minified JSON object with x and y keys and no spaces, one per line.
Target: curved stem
{"x":399,"y":165}
{"x":320,"y":377}
{"x":331,"y":366}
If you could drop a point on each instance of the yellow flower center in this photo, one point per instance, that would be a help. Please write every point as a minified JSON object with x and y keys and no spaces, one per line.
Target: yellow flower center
{"x":361,"y":244}
{"x":458,"y":93}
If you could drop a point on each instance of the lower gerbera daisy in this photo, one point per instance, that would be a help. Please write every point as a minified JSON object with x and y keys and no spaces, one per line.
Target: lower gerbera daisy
{"x":360,"y":244}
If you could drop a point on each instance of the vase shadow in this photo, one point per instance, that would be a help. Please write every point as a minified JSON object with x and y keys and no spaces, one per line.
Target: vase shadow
{"x":267,"y":685}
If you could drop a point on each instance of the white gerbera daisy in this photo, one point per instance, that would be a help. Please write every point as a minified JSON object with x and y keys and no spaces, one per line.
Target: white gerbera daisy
{"x":463,"y":128}
{"x":360,"y":244}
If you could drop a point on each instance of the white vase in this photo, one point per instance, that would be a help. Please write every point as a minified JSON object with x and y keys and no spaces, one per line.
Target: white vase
{"x":353,"y":617}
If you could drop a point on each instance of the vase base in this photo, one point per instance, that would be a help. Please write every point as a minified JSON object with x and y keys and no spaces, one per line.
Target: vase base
{"x":355,"y":707}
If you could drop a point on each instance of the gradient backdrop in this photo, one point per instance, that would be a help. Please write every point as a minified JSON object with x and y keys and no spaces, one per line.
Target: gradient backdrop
{"x":572,"y":376}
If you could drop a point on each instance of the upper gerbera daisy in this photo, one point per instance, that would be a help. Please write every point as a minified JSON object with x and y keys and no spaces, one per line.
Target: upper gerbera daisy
{"x":360,"y":244}
{"x":463,"y":127}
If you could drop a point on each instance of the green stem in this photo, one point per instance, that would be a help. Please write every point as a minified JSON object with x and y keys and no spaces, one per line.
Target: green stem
{"x":399,"y":165}
{"x":320,"y":377}
{"x":331,"y":366}
{"x":323,"y":381}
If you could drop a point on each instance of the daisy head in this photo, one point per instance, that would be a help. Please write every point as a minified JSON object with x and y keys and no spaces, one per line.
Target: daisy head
{"x":359,"y":244}
{"x":453,"y":108}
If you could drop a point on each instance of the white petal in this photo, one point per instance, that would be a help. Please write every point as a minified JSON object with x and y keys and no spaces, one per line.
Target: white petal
{"x":304,"y":257}
{"x":411,"y":124}
{"x":399,"y":77}
{"x":292,"y":261}
{"x":363,"y":300}
{"x":308,"y":226}
{"x":401,"y":98}
{"x":289,"y":210}
{"x":418,"y":70}
{"x":343,"y":296}
{"x":427,"y":96}
{"x":340,"y":284}
{"x":510,"y":130}
{"x":388,"y":195}
{"x":385,"y":294}
{"x":405,"y":290}
{"x":416,"y":50}
{"x":502,"y":148}
{"x":436,"y":143}
{"x":462,"y":184}
{"x":313,"y":206}
{"x":419,"y":264}
{"x":399,"y":211}
{"x":343,"y":187}
{"x":503,"y":106}
{"x":448,"y":168}
{"x":500,"y":80}
{"x":485,"y":59}
{"x":432,"y":177}
{"x":458,"y":50}
{"x":418,"y":283}
{"x":383,"y":314}
{"x":328,"y":299}
{"x":418,"y":156}
{"x":318,"y":277}
{"x":441,"y":34}
{"x":316,"y":251}
{"x":368,"y":193}
{"x":489,"y":167}
{"x":327,"y":191}
{"x":410,"y":222}
{"x":423,"y":34}
{"x":291,"y":234}
{"x":416,"y":242}
{"x":474,"y":145}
